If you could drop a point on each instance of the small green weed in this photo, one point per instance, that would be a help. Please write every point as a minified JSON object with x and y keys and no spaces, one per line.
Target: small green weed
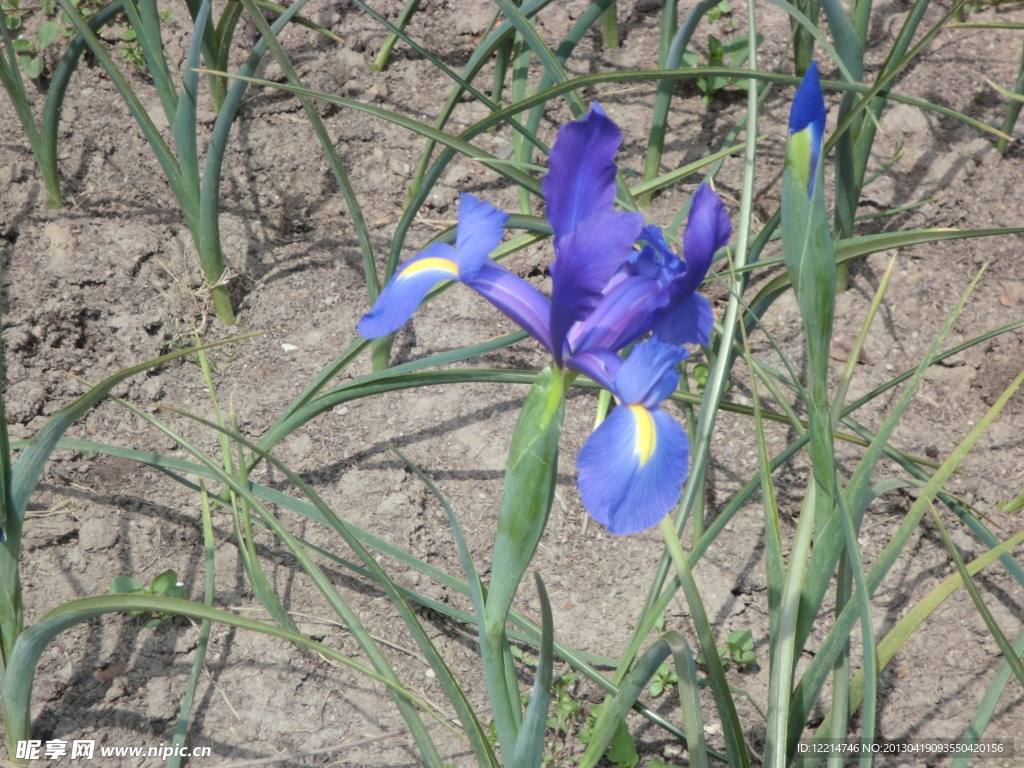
{"x":738,"y":650}
{"x":733,"y":53}
{"x":166,"y":584}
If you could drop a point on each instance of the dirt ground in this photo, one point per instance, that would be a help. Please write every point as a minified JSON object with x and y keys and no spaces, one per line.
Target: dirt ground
{"x":112,"y":279}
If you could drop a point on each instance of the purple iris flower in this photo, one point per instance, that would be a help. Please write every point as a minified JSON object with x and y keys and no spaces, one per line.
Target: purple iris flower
{"x":807,"y":127}
{"x":606,"y":294}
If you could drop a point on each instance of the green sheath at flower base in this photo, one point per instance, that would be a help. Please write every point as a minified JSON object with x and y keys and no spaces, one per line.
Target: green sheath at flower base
{"x":530,"y":476}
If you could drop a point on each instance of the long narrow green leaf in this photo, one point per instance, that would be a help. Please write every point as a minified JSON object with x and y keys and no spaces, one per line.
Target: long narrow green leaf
{"x":367,"y":644}
{"x":208,"y":241}
{"x":477,"y":60}
{"x":56,"y":91}
{"x":865,"y":245}
{"x":199,"y":662}
{"x":33,"y":641}
{"x":327,"y":144}
{"x":987,"y":706}
{"x":1009,"y":654}
{"x":816,"y":673}
{"x":530,"y":744}
{"x":164,"y":155}
{"x":145,"y":21}
{"x":184,"y":124}
{"x":474,"y":587}
{"x":613,"y":712}
{"x":897,"y":637}
{"x":14,"y":84}
{"x":381,"y":62}
{"x":37,"y":452}
{"x":732,"y":729}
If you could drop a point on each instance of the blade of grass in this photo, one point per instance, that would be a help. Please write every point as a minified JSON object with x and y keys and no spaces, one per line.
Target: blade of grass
{"x":993,"y":627}
{"x":530,"y":744}
{"x":381,"y":62}
{"x":209,"y":578}
{"x":731,"y":727}
{"x":897,"y":637}
{"x":813,"y":678}
{"x":32,"y":643}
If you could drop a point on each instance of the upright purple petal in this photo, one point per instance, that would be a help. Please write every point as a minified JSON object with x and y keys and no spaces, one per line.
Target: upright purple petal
{"x":580,"y":181}
{"x":519,"y":300}
{"x":480,"y":229}
{"x":623,"y":315}
{"x":632,"y":468}
{"x":584,"y":262}
{"x":407,"y":288}
{"x":689,"y":321}
{"x":708,"y":228}
{"x":649,"y":375}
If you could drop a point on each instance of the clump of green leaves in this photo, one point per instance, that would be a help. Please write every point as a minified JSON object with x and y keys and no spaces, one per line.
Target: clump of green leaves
{"x":733,"y":53}
{"x":738,"y":650}
{"x":166,"y":584}
{"x":664,"y":679}
{"x":724,"y":8}
{"x":30,"y":47}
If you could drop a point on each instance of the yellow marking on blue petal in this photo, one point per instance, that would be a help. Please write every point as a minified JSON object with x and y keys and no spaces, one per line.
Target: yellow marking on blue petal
{"x":646,"y":437}
{"x":799,"y":154}
{"x":432,"y":262}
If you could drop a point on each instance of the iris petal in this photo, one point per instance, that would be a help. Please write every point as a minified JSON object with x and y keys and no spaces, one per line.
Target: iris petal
{"x":617,"y":489}
{"x":407,"y":288}
{"x":519,"y":300}
{"x":689,"y":321}
{"x":599,"y":364}
{"x":480,"y":229}
{"x":622,"y":315}
{"x":584,"y":262}
{"x":649,"y":375}
{"x":581,"y":175}
{"x":807,"y":125}
{"x":707,"y":229}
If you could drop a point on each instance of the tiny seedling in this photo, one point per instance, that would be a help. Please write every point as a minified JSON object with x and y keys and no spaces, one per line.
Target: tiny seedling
{"x":738,"y":650}
{"x":733,"y":53}
{"x":166,"y":584}
{"x":663,"y":680}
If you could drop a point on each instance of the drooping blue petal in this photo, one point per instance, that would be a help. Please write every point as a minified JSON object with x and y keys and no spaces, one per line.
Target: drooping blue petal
{"x":632,"y":468}
{"x":807,"y":127}
{"x":479,"y":231}
{"x":584,"y":262}
{"x":519,"y":300}
{"x":689,"y":321}
{"x":601,"y":365}
{"x":580,"y":181}
{"x":708,"y":228}
{"x":649,"y":375}
{"x":407,"y":288}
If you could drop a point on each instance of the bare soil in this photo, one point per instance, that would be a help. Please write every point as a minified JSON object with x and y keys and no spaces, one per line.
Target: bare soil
{"x":112,"y":279}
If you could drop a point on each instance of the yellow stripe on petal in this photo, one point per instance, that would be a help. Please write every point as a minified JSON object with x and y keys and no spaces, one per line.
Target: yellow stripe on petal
{"x":432,"y":262}
{"x":646,"y":437}
{"x":799,"y":155}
